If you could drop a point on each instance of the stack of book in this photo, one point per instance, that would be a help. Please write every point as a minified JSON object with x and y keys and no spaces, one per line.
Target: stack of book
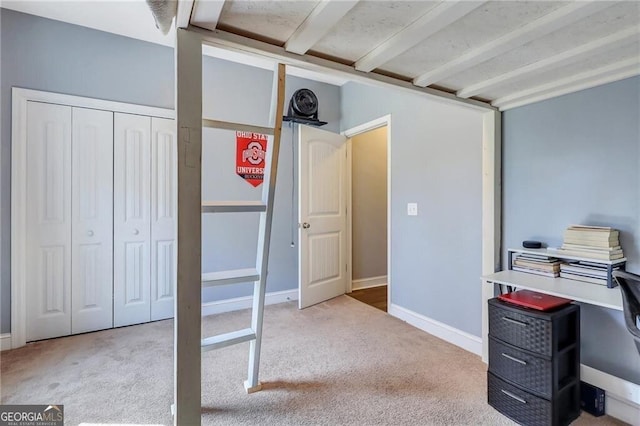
{"x":590,"y":272}
{"x":593,"y":242}
{"x":538,"y":264}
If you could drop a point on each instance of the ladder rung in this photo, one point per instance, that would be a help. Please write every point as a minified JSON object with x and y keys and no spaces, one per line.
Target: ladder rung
{"x":216,"y":124}
{"x":227,"y":339}
{"x":233,"y":206}
{"x":234,"y":276}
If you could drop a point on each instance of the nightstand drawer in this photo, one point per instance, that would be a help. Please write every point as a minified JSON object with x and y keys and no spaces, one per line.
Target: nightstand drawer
{"x":519,"y":367}
{"x":514,"y":326}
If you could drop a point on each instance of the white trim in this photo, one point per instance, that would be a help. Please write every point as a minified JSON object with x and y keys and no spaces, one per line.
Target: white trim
{"x":622,"y":397}
{"x":317,"y":24}
{"x":435,"y":19}
{"x":92,"y":103}
{"x":372,"y":282}
{"x":20,"y":97}
{"x":443,"y":331}
{"x":564,"y":58}
{"x":549,"y":23}
{"x":5,"y":341}
{"x":245,"y":302}
{"x":248,"y":46}
{"x":349,"y":191}
{"x":349,"y":133}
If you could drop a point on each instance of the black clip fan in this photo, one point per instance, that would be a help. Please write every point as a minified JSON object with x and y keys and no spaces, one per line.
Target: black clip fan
{"x":303,"y":108}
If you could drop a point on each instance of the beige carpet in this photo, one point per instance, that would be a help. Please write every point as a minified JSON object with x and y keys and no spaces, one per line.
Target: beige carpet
{"x":338,"y":363}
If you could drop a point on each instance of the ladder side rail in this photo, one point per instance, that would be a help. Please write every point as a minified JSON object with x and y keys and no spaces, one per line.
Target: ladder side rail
{"x":268,"y":194}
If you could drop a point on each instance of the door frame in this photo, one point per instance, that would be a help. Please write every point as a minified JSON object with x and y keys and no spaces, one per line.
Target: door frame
{"x":19,"y":99}
{"x":349,"y":134}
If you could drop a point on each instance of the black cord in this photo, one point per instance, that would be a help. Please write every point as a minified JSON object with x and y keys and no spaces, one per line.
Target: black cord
{"x":293,"y":189}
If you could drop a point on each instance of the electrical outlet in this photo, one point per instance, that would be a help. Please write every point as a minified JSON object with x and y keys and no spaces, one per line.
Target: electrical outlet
{"x":412,"y":209}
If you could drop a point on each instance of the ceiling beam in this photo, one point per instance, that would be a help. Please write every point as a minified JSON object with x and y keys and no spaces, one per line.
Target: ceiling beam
{"x":549,"y":23}
{"x":437,"y":18}
{"x":585,"y":80}
{"x":183,"y":14}
{"x":253,"y":47}
{"x":207,"y":13}
{"x":322,"y":18}
{"x":561,"y":59}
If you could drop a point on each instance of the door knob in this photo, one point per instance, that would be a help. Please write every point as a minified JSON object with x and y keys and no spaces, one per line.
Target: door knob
{"x":90,"y":233}
{"x":306,"y":225}
{"x":136,"y":232}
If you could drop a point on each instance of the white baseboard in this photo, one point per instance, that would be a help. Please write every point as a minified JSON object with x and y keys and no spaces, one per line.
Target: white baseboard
{"x":363,"y":283}
{"x":445,"y":332}
{"x":622,"y":398}
{"x":235,"y":304}
{"x":5,"y":341}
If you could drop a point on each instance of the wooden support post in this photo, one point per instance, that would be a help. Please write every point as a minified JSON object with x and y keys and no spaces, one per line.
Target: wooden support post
{"x":491,"y":210}
{"x":187,"y":323}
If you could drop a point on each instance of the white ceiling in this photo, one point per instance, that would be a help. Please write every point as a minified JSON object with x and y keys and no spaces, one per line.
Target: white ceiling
{"x":132,"y":18}
{"x":508,"y":53}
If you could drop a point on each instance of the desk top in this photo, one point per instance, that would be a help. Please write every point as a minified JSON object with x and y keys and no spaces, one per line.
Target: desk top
{"x":593,"y":294}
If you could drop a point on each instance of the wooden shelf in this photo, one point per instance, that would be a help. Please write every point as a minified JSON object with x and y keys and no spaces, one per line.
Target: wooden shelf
{"x":593,"y":294}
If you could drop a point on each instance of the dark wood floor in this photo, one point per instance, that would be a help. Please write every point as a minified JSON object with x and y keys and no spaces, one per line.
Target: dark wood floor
{"x":375,"y":296}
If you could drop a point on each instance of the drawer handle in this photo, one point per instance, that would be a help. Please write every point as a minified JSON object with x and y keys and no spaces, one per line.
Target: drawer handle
{"x":519,"y":361}
{"x":510,"y":395}
{"x":512,"y":321}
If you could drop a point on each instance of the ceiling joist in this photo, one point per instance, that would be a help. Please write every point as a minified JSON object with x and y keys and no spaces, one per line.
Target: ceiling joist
{"x":556,"y":20}
{"x":241,"y":44}
{"x":441,"y":16}
{"x":207,"y":13}
{"x":553,"y":62}
{"x":183,"y":13}
{"x":585,"y":80}
{"x":319,"y":22}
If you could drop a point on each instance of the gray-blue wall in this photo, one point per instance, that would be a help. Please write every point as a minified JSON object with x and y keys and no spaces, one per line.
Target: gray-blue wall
{"x":575,"y":159}
{"x":48,"y":55}
{"x":436,"y":161}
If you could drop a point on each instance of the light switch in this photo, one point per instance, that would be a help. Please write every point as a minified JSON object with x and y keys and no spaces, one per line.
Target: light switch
{"x":412,"y":209}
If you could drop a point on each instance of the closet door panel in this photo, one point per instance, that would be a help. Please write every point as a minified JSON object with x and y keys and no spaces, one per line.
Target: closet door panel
{"x":132,"y":226}
{"x":163,"y":217}
{"x":92,"y":226}
{"x":48,"y":246}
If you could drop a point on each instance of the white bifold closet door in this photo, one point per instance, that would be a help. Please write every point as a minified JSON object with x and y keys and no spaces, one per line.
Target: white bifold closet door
{"x":48,"y":246}
{"x":164,"y":208}
{"x":69,"y":225}
{"x":145,"y":180}
{"x":92,"y":220}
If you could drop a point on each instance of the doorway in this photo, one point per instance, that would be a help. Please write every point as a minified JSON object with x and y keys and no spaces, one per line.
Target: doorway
{"x":368,"y":218}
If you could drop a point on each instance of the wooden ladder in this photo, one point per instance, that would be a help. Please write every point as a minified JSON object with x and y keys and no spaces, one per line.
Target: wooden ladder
{"x":257,"y":275}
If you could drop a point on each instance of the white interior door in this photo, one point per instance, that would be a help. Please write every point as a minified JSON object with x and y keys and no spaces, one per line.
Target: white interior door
{"x":164,"y":181}
{"x":322,"y":215}
{"x":92,"y":220}
{"x":48,"y":247}
{"x":132,"y":225}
